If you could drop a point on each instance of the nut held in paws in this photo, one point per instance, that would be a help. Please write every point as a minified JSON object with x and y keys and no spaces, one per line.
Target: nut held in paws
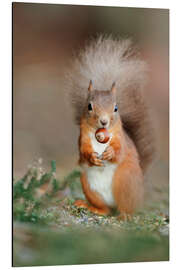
{"x":102,"y":135}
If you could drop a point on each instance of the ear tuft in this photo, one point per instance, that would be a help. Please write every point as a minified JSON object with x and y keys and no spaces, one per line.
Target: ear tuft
{"x":113,"y":88}
{"x":90,"y":86}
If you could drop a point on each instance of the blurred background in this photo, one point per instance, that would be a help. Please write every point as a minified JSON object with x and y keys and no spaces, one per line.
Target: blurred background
{"x":44,"y":39}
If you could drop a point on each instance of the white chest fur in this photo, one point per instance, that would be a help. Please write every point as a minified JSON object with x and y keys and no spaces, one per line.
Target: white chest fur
{"x":100,"y":178}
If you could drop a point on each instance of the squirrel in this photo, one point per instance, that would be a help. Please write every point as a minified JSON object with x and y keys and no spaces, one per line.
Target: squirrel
{"x":106,"y":83}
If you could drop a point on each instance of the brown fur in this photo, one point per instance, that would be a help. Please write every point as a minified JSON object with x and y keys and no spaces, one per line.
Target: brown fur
{"x":106,"y":61}
{"x":117,"y":142}
{"x":97,"y":204}
{"x":128,"y":184}
{"x":85,"y":148}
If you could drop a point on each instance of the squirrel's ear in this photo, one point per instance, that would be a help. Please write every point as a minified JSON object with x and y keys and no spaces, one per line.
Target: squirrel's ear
{"x":113,"y":88}
{"x":90,"y":86}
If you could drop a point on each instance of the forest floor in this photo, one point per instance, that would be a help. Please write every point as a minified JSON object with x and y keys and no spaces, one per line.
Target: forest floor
{"x":49,"y":230}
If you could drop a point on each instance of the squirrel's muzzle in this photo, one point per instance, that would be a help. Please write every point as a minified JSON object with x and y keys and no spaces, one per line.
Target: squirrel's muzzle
{"x":103,"y":121}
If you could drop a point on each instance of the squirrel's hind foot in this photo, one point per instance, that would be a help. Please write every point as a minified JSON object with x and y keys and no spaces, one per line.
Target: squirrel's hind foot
{"x":95,"y":210}
{"x":125,"y":217}
{"x":81,"y":204}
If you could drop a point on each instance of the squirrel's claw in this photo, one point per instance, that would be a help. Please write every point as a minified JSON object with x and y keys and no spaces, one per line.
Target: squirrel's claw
{"x":95,"y":160}
{"x":124,"y":217}
{"x":108,"y":153}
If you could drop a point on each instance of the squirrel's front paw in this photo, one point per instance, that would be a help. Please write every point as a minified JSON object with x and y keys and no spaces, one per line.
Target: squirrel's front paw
{"x":94,"y":160}
{"x":108,"y":153}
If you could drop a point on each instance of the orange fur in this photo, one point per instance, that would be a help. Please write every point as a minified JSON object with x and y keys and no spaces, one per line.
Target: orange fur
{"x":126,"y":116}
{"x":127,"y":183}
{"x":117,"y":142}
{"x":97,"y":204}
{"x":85,"y":147}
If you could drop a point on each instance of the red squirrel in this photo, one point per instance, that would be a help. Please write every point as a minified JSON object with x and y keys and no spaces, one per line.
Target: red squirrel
{"x":106,"y":82}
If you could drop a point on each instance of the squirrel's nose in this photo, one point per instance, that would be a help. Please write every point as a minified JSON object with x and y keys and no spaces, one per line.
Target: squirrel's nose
{"x":104,"y":122}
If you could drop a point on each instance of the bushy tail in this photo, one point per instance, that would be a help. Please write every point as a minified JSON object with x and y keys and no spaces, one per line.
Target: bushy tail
{"x":106,"y":60}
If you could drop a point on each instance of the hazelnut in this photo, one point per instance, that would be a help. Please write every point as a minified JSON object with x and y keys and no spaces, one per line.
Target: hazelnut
{"x":102,"y":135}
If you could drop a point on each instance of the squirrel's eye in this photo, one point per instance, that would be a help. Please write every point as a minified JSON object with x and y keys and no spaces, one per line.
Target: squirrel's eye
{"x":115,"y":108}
{"x":89,"y":107}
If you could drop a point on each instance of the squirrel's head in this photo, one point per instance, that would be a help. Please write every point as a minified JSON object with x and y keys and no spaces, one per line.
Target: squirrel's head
{"x":101,"y":108}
